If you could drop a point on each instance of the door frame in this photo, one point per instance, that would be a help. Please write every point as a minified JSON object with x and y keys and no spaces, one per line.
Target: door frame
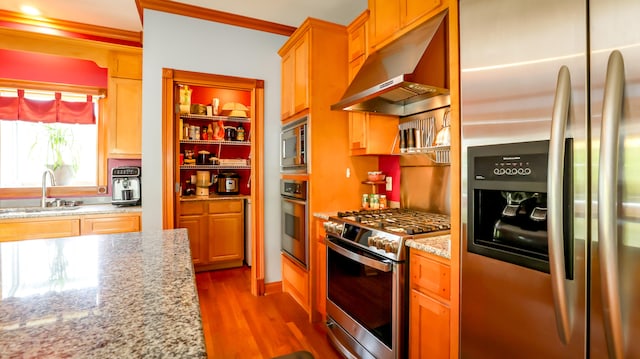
{"x":170,"y":198}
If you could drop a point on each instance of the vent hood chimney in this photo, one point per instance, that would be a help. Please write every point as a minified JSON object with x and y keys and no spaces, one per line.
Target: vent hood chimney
{"x":406,"y":76}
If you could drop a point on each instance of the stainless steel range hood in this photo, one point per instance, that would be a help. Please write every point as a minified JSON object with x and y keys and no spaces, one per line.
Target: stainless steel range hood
{"x":404,"y":77}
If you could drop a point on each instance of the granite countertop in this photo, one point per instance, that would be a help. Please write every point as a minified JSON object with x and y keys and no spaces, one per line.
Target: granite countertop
{"x":438,"y":245}
{"x":129,"y":295}
{"x":214,"y":197}
{"x":88,"y":209}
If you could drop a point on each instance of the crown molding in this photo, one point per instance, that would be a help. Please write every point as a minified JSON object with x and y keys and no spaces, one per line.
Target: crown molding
{"x":70,"y":29}
{"x":177,"y":8}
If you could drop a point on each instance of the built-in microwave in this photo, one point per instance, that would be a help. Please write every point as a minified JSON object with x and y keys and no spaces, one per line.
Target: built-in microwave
{"x":293,"y":139}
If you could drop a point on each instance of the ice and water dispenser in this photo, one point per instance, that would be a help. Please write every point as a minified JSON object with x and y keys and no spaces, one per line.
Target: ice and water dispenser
{"x":507,"y":203}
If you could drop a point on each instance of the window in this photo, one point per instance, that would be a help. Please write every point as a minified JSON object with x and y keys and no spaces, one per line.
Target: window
{"x":27,"y":148}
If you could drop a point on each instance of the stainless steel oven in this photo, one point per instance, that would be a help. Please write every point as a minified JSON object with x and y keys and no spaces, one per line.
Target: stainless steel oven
{"x":366,"y":302}
{"x":367,"y":279}
{"x":294,"y":220}
{"x":294,"y":146}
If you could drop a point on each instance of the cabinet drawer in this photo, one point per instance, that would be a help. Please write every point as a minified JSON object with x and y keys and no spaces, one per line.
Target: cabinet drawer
{"x":225,"y":206}
{"x":197,"y":207}
{"x":430,"y":276}
{"x":110,"y":224}
{"x":40,"y":228}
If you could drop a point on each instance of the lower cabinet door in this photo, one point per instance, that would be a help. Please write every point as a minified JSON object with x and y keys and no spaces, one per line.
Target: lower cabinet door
{"x":196,"y":229}
{"x":428,"y":327}
{"x":226,"y":238}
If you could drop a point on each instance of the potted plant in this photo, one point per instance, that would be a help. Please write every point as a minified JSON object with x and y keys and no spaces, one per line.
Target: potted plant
{"x":60,"y":156}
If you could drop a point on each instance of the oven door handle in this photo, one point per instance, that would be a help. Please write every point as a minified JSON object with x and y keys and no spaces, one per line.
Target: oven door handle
{"x":382,"y":265}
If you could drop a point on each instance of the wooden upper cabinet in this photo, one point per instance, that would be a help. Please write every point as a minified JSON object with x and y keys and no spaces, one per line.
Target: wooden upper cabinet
{"x":384,"y":19}
{"x":358,"y":33}
{"x":288,"y":84}
{"x":124,"y":103}
{"x":301,"y":88}
{"x":127,"y":65}
{"x":124,"y":118}
{"x":410,"y":10}
{"x":369,"y":134}
{"x":388,"y":17}
{"x":295,"y":78}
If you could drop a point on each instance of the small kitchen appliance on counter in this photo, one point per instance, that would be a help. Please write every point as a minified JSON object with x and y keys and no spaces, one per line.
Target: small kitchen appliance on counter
{"x":227,"y":183}
{"x":367,"y":277}
{"x":126,"y":187}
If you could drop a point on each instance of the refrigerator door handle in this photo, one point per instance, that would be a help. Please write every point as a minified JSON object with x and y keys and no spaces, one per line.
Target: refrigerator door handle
{"x":607,"y":204}
{"x":555,"y":225}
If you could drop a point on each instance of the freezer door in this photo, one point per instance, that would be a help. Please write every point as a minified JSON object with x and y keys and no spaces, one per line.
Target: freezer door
{"x":511,"y":53}
{"x":615,"y":245}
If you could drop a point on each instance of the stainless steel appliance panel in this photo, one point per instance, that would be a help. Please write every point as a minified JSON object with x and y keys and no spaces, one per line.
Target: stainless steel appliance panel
{"x":293,"y":138}
{"x":295,"y":234}
{"x":511,"y":56}
{"x":606,"y":133}
{"x":615,"y":231}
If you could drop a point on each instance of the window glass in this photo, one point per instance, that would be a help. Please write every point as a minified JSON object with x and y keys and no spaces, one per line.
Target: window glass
{"x":27,"y":149}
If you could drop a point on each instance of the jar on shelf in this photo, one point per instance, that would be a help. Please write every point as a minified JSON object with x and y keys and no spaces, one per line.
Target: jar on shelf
{"x":240,"y":133}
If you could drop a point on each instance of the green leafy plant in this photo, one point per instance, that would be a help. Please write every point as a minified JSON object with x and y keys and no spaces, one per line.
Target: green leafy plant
{"x":59,"y":147}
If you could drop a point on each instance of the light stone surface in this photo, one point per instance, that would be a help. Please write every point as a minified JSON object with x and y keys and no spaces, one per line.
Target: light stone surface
{"x":36,"y":212}
{"x":439,"y":245}
{"x":129,"y":295}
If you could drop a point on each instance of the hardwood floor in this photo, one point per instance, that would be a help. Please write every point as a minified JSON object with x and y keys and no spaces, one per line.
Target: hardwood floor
{"x":239,"y":325}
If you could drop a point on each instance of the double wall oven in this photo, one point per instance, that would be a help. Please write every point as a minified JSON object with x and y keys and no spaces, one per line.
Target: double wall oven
{"x":367,"y":277}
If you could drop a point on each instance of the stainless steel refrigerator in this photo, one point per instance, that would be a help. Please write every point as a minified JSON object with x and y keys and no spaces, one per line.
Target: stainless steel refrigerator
{"x":550,"y":259}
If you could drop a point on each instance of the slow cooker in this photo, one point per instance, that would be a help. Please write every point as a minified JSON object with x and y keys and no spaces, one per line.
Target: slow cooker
{"x":228,"y":183}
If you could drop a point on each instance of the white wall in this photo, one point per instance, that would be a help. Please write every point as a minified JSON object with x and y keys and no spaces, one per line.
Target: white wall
{"x":183,"y":43}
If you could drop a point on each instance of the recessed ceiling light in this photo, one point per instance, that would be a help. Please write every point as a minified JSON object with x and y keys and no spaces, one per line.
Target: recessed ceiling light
{"x":30,"y":10}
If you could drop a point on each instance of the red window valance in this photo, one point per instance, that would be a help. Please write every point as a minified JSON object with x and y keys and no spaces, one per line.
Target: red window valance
{"x":47,"y":111}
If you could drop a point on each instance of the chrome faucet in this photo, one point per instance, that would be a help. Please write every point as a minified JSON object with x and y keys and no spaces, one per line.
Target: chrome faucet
{"x":43,"y":201}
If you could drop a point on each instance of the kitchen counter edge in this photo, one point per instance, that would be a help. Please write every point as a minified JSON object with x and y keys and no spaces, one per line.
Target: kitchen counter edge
{"x":439,"y":245}
{"x":85,"y":209}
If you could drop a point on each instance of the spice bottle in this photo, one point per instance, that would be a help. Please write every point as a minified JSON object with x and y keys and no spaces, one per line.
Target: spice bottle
{"x":383,"y":201}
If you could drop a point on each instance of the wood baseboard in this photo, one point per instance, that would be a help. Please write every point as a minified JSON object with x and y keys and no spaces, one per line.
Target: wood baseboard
{"x":273,"y":288}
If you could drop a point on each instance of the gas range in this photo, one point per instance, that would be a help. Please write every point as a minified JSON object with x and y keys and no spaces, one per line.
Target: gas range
{"x":384,"y":231}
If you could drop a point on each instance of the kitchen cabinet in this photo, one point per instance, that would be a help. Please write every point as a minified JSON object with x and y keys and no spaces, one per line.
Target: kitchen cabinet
{"x":124,"y":118}
{"x":320,"y":280}
{"x":226,"y":223}
{"x":68,"y":226}
{"x":216,"y":232}
{"x":35,"y":228}
{"x":295,"y":281}
{"x":429,"y":306}
{"x":124,"y":115}
{"x":369,"y":134}
{"x":389,"y":17}
{"x":295,"y":78}
{"x":327,"y":143}
{"x":110,"y":223}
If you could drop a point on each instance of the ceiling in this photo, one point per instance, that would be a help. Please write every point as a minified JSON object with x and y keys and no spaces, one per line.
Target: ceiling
{"x":123,"y":14}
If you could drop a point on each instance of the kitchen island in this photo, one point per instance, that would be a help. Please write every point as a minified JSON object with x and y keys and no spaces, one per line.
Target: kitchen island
{"x":127,"y":295}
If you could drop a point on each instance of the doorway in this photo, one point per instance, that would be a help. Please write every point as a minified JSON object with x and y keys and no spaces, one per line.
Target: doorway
{"x":172,"y":183}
